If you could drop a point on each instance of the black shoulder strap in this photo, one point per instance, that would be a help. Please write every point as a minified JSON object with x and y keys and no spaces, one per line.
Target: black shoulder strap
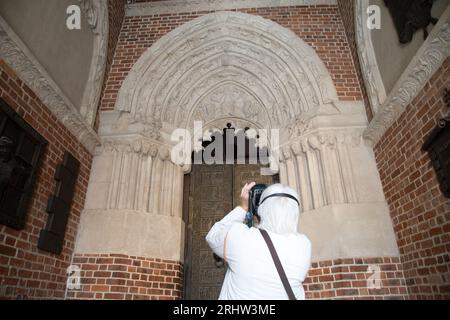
{"x":277,"y":262}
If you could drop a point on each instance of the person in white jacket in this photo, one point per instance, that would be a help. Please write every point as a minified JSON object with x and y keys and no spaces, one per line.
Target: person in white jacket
{"x":251,"y":273}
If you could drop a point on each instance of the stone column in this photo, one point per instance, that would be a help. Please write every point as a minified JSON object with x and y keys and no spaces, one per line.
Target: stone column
{"x":131,"y":230}
{"x":134,"y":202}
{"x":345,"y":213}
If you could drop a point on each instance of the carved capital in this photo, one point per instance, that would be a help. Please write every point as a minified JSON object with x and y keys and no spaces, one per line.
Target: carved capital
{"x":138,"y":145}
{"x":287,"y":154}
{"x":302,"y":124}
{"x":164,"y":153}
{"x":296,"y":148}
{"x":314,"y":142}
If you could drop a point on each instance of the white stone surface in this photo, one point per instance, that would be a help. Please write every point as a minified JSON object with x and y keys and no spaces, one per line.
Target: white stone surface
{"x":132,"y":233}
{"x":349,"y":231}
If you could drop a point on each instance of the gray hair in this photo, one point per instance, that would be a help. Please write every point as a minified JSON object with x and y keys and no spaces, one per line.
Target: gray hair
{"x":279,"y":214}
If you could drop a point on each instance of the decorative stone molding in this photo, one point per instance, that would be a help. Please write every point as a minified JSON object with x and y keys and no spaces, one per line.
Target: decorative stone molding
{"x":321,"y":157}
{"x":135,"y":173}
{"x":319,"y":167}
{"x":117,"y":123}
{"x":139,"y":145}
{"x":93,"y":11}
{"x":179,"y":6}
{"x":366,"y":53}
{"x":97,"y":16}
{"x":131,"y":232}
{"x":15,"y":53}
{"x":226,"y":65}
{"x":301,"y":124}
{"x":427,"y":60}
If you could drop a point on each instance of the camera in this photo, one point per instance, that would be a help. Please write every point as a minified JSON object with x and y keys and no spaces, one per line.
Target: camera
{"x":254,"y":198}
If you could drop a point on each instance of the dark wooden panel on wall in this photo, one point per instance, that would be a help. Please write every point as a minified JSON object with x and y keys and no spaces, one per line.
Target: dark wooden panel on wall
{"x":21,"y":148}
{"x":438,"y":147}
{"x":51,"y":238}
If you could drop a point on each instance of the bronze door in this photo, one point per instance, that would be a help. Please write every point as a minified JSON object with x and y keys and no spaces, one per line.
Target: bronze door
{"x":211,"y":191}
{"x":243,"y":174}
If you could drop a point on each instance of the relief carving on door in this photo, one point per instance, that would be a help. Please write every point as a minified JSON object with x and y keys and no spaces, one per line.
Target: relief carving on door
{"x":210,"y":198}
{"x":214,"y":191}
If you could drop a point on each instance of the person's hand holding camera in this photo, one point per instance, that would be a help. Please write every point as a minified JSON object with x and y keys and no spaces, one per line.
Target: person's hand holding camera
{"x":245,"y":193}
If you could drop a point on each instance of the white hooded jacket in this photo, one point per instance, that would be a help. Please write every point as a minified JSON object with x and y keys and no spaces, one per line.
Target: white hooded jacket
{"x":251,"y":273}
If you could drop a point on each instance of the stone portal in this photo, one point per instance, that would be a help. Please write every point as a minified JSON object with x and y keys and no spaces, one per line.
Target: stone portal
{"x":219,"y":68}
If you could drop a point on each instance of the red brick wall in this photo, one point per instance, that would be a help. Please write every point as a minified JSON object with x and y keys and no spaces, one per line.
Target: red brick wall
{"x":319,"y":26}
{"x":116,"y":15}
{"x":419,"y":211}
{"x":119,"y":277}
{"x":25,"y":270}
{"x":347,"y":11}
{"x":348,"y":279}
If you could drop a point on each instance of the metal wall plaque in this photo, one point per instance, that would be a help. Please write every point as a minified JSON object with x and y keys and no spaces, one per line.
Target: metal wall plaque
{"x":438,"y":147}
{"x":21,"y":148}
{"x":51,"y":238}
{"x":410,"y":16}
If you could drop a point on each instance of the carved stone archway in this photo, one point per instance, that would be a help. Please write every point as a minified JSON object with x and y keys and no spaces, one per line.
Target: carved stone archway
{"x":236,"y":67}
{"x":274,"y":75}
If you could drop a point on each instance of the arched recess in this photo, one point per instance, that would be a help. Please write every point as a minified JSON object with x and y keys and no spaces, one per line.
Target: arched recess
{"x":223,"y":67}
{"x":366,"y":54}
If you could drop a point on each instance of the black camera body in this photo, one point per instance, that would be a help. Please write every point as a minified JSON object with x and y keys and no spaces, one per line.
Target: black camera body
{"x":254,"y":198}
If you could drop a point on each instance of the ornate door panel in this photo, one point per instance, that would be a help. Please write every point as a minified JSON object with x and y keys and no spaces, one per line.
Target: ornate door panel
{"x":214,"y":190}
{"x":245,"y":174}
{"x":210,"y":199}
